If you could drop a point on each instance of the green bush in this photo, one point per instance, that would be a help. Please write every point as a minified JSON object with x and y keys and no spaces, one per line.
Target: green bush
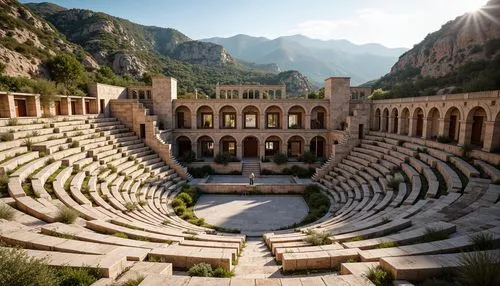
{"x":318,"y":238}
{"x":133,"y":281}
{"x":434,"y":234}
{"x":225,"y":158}
{"x":187,"y":216}
{"x":179,"y":210}
{"x":308,"y":158}
{"x":120,"y":235}
{"x":6,"y":212}
{"x":201,"y":270}
{"x":201,"y":172}
{"x":188,"y":157}
{"x":443,"y":139}
{"x":186,"y":198}
{"x":387,"y":244}
{"x":66,"y":215}
{"x":379,"y":276}
{"x":280,"y":158}
{"x":17,"y":268}
{"x":130,"y":206}
{"x":394,"y":184}
{"x":483,"y":241}
{"x":222,"y":273}
{"x":206,"y":270}
{"x":69,"y":276}
{"x":479,"y":268}
{"x":177,"y":202}
{"x":4,"y":182}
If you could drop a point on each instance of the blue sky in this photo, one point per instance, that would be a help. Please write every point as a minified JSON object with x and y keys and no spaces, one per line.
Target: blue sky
{"x":393,"y":23}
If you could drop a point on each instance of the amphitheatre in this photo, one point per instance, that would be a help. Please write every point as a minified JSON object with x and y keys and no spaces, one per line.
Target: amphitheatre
{"x":344,"y":184}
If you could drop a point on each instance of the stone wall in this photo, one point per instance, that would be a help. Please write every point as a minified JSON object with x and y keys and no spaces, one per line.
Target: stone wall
{"x":338,"y":92}
{"x":219,"y":168}
{"x":279,"y":168}
{"x":132,"y":114}
{"x":221,"y":188}
{"x":104,"y":93}
{"x":164,"y":91}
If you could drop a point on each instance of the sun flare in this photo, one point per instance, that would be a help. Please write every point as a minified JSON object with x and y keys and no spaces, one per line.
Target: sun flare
{"x":473,"y":5}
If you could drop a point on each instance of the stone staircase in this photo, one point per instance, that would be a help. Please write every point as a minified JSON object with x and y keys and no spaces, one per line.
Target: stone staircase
{"x":250,"y":166}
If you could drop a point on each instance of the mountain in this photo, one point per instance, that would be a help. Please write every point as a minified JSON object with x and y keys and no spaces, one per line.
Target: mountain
{"x":32,"y":34}
{"x":463,"y":55}
{"x":317,"y":59}
{"x":27,"y":41}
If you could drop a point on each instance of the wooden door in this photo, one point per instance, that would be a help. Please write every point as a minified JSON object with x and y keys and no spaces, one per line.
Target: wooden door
{"x":20,"y":107}
{"x":73,"y":107}
{"x":250,"y":147}
{"x":57,"y":107}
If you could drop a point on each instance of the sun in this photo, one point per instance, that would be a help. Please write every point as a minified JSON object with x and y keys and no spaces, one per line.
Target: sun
{"x":473,"y":5}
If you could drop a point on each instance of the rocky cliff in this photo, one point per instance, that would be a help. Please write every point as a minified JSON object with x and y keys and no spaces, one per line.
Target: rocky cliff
{"x":462,"y":56}
{"x":27,"y":40}
{"x":470,"y":37}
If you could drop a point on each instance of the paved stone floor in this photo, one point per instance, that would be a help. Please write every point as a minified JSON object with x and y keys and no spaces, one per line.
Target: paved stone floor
{"x":242,"y":180}
{"x":253,"y":214}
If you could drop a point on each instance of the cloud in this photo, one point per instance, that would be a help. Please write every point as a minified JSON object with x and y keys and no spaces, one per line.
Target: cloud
{"x":366,"y":25}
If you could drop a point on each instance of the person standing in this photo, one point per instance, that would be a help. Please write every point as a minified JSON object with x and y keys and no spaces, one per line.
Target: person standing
{"x":251,"y":177}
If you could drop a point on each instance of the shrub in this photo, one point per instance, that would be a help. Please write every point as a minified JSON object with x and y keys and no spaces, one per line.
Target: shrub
{"x":4,"y":182}
{"x":187,"y":216}
{"x":186,"y":198}
{"x":201,"y":270}
{"x":6,"y":212}
{"x":177,"y":202}
{"x":280,"y":158}
{"x":133,"y":281}
{"x":201,"y":172}
{"x":379,"y":276}
{"x":480,"y":268}
{"x":443,"y":139}
{"x":433,"y":234}
{"x":85,"y":276}
{"x":17,"y":268}
{"x":222,"y":273}
{"x":179,"y":210}
{"x":120,"y":235}
{"x":28,"y":143}
{"x":225,"y":158}
{"x":188,"y":157}
{"x":130,"y":206}
{"x":74,"y":144}
{"x":13,"y":122}
{"x":142,"y":203}
{"x":394,"y":184}
{"x":318,"y":238}
{"x":483,"y":241}
{"x":308,"y":158}
{"x":387,"y":244}
{"x":66,"y":215}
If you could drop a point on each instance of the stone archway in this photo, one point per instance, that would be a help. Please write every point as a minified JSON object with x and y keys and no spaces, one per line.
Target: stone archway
{"x":318,"y":146}
{"x":385,"y":120}
{"x":183,"y":146}
{"x":476,"y":120}
{"x":433,"y":123}
{"x":377,"y":120}
{"x":452,"y":124}
{"x":418,"y":117}
{"x":405,"y":121}
{"x":395,"y":120}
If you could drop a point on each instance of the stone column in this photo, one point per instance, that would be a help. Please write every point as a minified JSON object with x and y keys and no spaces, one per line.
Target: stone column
{"x":400,"y":126}
{"x":465,"y":132}
{"x":284,"y":121}
{"x":262,"y":121}
{"x":426,"y":130}
{"x":489,"y":132}
{"x":216,"y":122}
{"x":194,"y":121}
{"x":444,"y":125}
{"x":383,"y":124}
{"x":262,"y":149}
{"x":308,"y":121}
{"x":412,"y":127}
{"x":391,"y":124}
{"x":239,"y":150}
{"x":194,"y":148}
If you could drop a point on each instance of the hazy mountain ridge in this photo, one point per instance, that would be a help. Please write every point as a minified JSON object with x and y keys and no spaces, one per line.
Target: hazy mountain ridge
{"x":315,"y":58}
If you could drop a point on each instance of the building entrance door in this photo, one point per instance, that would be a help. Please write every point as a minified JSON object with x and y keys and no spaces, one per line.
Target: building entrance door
{"x":250,"y":147}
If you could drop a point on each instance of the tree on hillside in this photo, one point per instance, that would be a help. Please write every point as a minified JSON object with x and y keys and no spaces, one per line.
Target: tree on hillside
{"x":66,"y":69}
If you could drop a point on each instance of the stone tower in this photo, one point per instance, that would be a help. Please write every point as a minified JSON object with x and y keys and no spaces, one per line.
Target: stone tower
{"x":164,"y":91}
{"x":338,"y":91}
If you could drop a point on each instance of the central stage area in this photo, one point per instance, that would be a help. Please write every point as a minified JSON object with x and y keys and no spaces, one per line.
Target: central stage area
{"x":253,"y":214}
